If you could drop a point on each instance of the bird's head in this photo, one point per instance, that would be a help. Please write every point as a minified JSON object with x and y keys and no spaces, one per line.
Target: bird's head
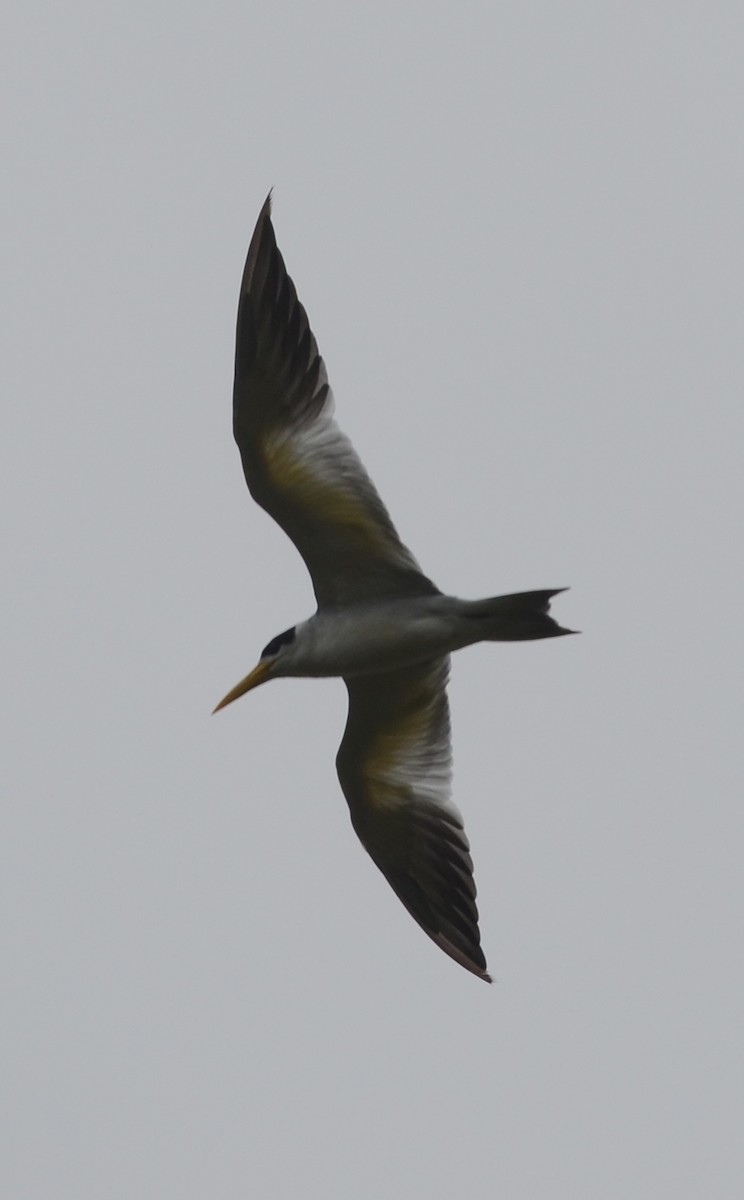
{"x":268,"y":667}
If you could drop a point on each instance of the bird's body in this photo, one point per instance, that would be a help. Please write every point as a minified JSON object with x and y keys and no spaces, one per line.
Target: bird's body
{"x":381,"y":624}
{"x":394,"y":633}
{"x":370,"y":639}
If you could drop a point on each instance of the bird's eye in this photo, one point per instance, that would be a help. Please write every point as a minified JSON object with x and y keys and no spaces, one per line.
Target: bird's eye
{"x":275,"y":645}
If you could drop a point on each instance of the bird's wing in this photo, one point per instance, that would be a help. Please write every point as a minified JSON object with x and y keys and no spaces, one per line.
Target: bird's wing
{"x":394,"y":764}
{"x":297,"y":463}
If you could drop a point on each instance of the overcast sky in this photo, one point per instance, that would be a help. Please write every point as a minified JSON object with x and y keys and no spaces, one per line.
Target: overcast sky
{"x":517,"y":229}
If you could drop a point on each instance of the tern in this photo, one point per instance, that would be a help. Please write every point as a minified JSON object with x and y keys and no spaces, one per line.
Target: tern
{"x":381,"y":624}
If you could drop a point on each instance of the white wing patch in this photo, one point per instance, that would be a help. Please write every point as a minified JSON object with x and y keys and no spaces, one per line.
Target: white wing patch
{"x":315,"y":465}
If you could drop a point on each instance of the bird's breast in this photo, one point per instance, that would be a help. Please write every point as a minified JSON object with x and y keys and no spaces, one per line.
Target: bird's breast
{"x":370,"y":639}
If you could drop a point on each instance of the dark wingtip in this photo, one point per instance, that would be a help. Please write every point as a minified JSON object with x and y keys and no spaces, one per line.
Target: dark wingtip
{"x":264,"y":219}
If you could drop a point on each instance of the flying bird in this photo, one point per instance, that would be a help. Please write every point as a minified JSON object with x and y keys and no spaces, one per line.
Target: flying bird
{"x":381,"y":624}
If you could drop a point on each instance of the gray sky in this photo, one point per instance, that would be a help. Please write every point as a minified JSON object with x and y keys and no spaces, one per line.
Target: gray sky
{"x":518,"y":233}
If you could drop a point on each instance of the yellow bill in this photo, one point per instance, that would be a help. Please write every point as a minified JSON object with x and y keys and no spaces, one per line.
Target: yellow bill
{"x":258,"y":675}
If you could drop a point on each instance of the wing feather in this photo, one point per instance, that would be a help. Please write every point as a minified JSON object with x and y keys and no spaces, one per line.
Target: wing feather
{"x":298,"y":464}
{"x":395,"y":768}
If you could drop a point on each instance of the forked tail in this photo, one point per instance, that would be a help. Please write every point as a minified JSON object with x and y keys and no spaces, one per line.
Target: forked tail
{"x":520,"y":617}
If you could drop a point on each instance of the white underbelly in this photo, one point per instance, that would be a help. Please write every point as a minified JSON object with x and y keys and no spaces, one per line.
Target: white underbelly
{"x":365,"y":641}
